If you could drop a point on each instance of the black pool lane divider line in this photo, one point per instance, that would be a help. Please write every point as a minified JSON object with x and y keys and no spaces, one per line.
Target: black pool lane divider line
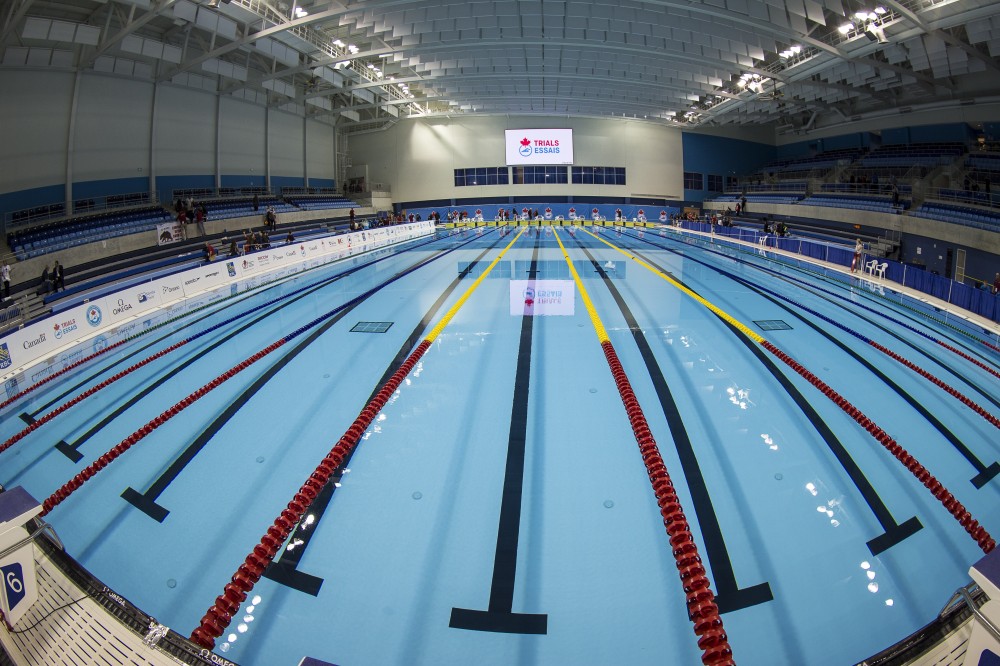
{"x":34,"y":423}
{"x":284,"y":570}
{"x":246,"y":295}
{"x":893,"y":532}
{"x":499,"y":615}
{"x":818,"y":293}
{"x":146,"y":501}
{"x":729,"y":596}
{"x":869,"y":296}
{"x":984,"y":473}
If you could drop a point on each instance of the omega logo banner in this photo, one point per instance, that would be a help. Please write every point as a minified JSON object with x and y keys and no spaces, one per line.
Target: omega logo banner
{"x":539,"y":146}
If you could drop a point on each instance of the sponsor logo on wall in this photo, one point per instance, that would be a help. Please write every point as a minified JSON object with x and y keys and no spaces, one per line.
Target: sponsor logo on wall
{"x":5,"y":361}
{"x":231,"y":268}
{"x":60,"y":329}
{"x":94,"y":316}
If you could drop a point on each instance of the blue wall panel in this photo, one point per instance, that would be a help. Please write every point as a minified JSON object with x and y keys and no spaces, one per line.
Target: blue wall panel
{"x":721,"y":156}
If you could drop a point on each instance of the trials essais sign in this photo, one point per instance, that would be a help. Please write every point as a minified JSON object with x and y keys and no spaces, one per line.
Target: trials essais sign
{"x":539,"y":146}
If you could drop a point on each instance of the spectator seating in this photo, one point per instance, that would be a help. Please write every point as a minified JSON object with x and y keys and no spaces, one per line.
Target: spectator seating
{"x":760,"y":198}
{"x":321,"y":203}
{"x":969,"y":216}
{"x":57,"y":236}
{"x":878,"y":204}
{"x":221,"y":209}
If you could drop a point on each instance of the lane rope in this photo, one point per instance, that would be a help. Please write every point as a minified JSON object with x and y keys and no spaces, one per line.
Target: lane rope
{"x":260,"y":287}
{"x":218,"y":617}
{"x":950,"y":390}
{"x":702,"y":610}
{"x":111,"y":455}
{"x":42,"y":420}
{"x":954,"y":507}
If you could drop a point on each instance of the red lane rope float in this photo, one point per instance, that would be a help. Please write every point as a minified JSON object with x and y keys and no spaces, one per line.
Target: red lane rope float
{"x":975,"y":530}
{"x":946,"y":387}
{"x":954,"y":507}
{"x":218,"y":617}
{"x":263,"y":285}
{"x":702,"y":609}
{"x":163,"y":352}
{"x":106,"y":459}
{"x":34,"y":425}
{"x":970,"y":358}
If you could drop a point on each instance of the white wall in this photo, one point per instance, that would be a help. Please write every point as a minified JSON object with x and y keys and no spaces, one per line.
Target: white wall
{"x":113,"y":123}
{"x":99,"y":154}
{"x":418,"y":158}
{"x":185,"y":132}
{"x":241,"y":131}
{"x":285,"y":134}
{"x":34,"y":126}
{"x":320,"y":149}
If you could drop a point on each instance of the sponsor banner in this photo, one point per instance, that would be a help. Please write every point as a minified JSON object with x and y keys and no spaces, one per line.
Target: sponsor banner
{"x":42,"y":338}
{"x":169,"y":232}
{"x":132,"y":301}
{"x":542,"y":297}
{"x":169,"y":288}
{"x":538,"y":146}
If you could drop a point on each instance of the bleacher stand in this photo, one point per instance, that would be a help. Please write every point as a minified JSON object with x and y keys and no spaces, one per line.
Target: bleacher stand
{"x":969,"y":216}
{"x":878,"y":204}
{"x":321,"y":202}
{"x":760,"y":198}
{"x":57,"y":236}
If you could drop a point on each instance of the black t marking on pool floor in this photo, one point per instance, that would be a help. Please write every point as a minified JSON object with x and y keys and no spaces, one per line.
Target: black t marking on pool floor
{"x":894,"y":532}
{"x":146,"y":502}
{"x":284,"y":570}
{"x":729,"y":596}
{"x":499,"y":616}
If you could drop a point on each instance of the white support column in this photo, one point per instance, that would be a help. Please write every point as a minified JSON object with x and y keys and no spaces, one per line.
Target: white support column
{"x":152,"y":147}
{"x":305,"y":151}
{"x":70,"y":138}
{"x":267,"y":148}
{"x":218,"y":141}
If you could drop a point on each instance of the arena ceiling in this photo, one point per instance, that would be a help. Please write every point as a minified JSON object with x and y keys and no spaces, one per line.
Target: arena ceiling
{"x":364,"y":64}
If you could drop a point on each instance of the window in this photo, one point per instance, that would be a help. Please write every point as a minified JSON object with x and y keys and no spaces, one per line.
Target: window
{"x":539,"y":175}
{"x":693,"y":181}
{"x":732,"y":182}
{"x":714,"y":183}
{"x":598,"y":175}
{"x":482,"y":176}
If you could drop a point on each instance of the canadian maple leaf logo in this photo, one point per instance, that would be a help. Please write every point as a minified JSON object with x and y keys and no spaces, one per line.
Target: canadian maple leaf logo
{"x":525,"y":142}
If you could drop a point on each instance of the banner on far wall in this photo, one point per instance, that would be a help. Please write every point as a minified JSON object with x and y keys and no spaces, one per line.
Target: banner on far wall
{"x":169,"y":232}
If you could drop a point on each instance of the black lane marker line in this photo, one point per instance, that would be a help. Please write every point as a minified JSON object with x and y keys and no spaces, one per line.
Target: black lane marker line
{"x":72,"y":450}
{"x":146,"y":502}
{"x":729,"y":595}
{"x":284,"y":570}
{"x":976,"y":353}
{"x":893,"y":532}
{"x":75,"y":388}
{"x":984,"y":473}
{"x":499,"y":617}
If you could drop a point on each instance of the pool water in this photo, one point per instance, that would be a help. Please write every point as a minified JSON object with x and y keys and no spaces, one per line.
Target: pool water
{"x":498,"y":510}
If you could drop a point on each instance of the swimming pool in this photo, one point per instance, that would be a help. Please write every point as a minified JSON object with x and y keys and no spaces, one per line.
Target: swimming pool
{"x":498,"y":510}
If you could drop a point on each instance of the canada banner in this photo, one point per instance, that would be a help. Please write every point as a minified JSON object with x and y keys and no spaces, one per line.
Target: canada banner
{"x":595,"y":213}
{"x":548,"y":213}
{"x":479,"y":212}
{"x":572,"y":213}
{"x":663,"y":216}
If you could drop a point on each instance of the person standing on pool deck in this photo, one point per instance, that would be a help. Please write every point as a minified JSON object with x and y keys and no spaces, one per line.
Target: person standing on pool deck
{"x":858,"y":249}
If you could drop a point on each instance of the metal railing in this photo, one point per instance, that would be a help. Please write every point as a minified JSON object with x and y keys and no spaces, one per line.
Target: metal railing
{"x":90,"y":205}
{"x":14,"y":315}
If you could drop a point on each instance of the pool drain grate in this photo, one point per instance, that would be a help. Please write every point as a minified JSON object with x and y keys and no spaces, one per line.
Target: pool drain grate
{"x":371,"y":327}
{"x":772,"y":325}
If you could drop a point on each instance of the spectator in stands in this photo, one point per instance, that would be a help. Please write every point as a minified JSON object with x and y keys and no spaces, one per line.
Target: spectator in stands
{"x":256,"y":203}
{"x":5,"y":275}
{"x":58,"y":277}
{"x":265,"y":240}
{"x":352,"y":219}
{"x":46,"y":283}
{"x":858,"y":249}
{"x":289,"y":239}
{"x":738,"y":207}
{"x":743,"y":203}
{"x":233,"y":249}
{"x":895,"y":196}
{"x":996,"y":284}
{"x":199,"y":218}
{"x":209,"y":252}
{"x":782,"y":229}
{"x":270,"y":219}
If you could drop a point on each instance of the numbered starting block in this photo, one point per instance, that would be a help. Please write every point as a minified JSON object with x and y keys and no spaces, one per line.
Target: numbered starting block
{"x":983,"y":648}
{"x":17,"y":562}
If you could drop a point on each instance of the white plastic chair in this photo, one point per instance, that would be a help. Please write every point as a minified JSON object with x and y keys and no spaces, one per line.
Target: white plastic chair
{"x":871,"y":266}
{"x":879,"y":271}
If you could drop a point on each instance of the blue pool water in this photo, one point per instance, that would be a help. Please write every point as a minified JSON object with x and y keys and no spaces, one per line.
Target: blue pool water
{"x":821,"y":547}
